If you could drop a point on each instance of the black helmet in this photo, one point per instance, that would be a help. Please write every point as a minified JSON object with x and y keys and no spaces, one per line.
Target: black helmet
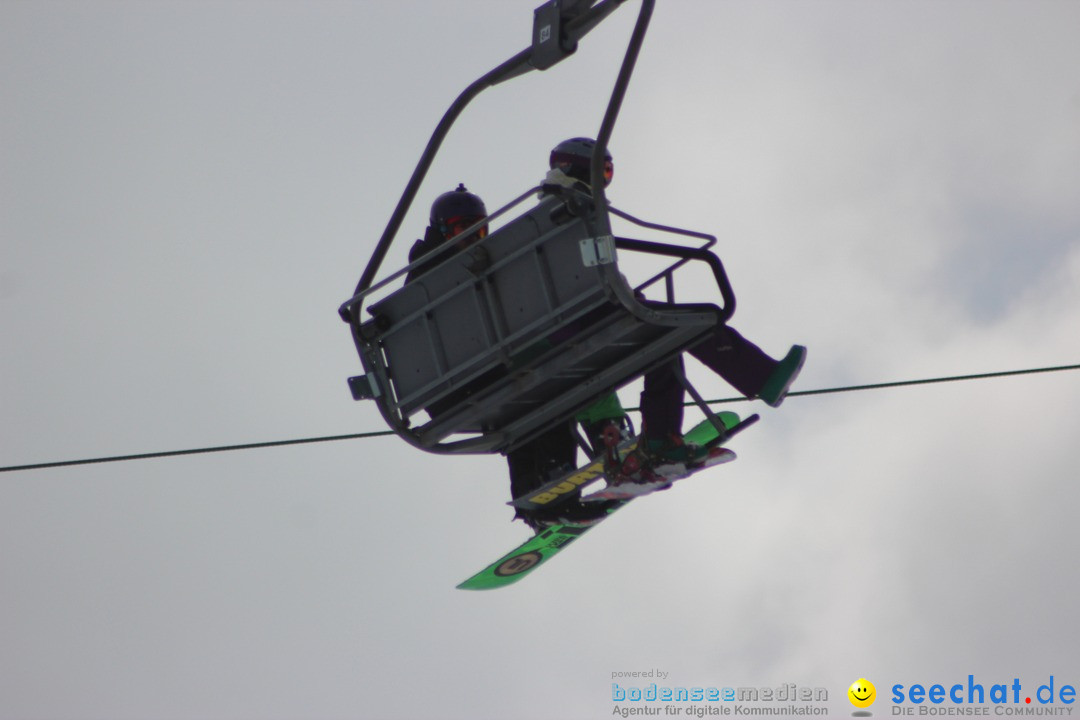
{"x":453,"y":211}
{"x":574,"y":157}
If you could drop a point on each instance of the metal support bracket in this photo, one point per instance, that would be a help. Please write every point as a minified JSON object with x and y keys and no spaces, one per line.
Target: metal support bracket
{"x":364,"y":387}
{"x":598,"y":250}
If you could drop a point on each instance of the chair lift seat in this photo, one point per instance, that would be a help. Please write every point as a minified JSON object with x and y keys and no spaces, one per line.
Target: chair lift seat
{"x":517,"y":333}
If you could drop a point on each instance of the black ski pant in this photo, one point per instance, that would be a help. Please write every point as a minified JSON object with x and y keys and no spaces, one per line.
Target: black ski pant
{"x":741,"y":363}
{"x":536,"y":462}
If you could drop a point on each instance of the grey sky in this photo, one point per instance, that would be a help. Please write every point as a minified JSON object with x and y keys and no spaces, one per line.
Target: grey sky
{"x":189,"y":190}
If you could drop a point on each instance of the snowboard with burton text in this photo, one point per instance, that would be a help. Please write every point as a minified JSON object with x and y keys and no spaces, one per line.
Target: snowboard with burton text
{"x":540,"y":548}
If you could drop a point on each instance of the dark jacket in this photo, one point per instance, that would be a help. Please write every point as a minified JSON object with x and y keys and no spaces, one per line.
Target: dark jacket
{"x":432,"y":239}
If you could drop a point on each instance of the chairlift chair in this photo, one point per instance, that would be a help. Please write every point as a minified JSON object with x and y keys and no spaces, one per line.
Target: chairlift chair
{"x":514,"y":335}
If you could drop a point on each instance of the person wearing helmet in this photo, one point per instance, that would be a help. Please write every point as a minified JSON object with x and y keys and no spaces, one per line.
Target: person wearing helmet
{"x":726,"y":352}
{"x":541,"y":459}
{"x":570,"y":164}
{"x":451,"y":214}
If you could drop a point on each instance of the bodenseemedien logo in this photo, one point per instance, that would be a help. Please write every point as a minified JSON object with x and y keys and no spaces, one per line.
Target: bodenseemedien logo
{"x":862,"y":695}
{"x":786,"y":700}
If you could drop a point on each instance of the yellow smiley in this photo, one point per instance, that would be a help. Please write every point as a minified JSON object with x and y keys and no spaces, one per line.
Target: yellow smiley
{"x":862,"y":693}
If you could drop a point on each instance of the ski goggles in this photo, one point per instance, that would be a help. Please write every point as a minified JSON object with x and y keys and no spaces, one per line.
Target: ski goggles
{"x":576,"y":166}
{"x":609,"y":172}
{"x":459,"y":224}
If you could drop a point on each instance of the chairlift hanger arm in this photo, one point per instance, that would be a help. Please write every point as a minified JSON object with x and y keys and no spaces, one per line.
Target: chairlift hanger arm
{"x":503,"y":409}
{"x":596,"y":170}
{"x":572,"y":21}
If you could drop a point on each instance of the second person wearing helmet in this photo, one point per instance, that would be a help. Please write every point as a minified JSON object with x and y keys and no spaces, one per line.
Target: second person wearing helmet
{"x":555,"y":451}
{"x":570,"y":164}
{"x":741,"y":363}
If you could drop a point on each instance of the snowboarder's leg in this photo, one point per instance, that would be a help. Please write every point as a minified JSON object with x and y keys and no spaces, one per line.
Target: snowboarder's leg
{"x":532,"y":464}
{"x":746,"y":367}
{"x":662,"y":402}
{"x":537,"y":462}
{"x":661,"y":442}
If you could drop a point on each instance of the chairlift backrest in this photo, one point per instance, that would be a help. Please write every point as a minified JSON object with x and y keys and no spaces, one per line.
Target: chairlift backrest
{"x":485,"y":305}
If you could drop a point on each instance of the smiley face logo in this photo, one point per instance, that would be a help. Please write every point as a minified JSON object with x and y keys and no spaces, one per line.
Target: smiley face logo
{"x":862,"y":693}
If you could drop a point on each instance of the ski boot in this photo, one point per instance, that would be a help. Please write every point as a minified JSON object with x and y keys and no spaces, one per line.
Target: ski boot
{"x":649,"y":467}
{"x":780,"y":381}
{"x":607,"y":433}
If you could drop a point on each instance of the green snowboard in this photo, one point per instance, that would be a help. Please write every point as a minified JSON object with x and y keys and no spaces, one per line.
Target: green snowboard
{"x":525,"y":558}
